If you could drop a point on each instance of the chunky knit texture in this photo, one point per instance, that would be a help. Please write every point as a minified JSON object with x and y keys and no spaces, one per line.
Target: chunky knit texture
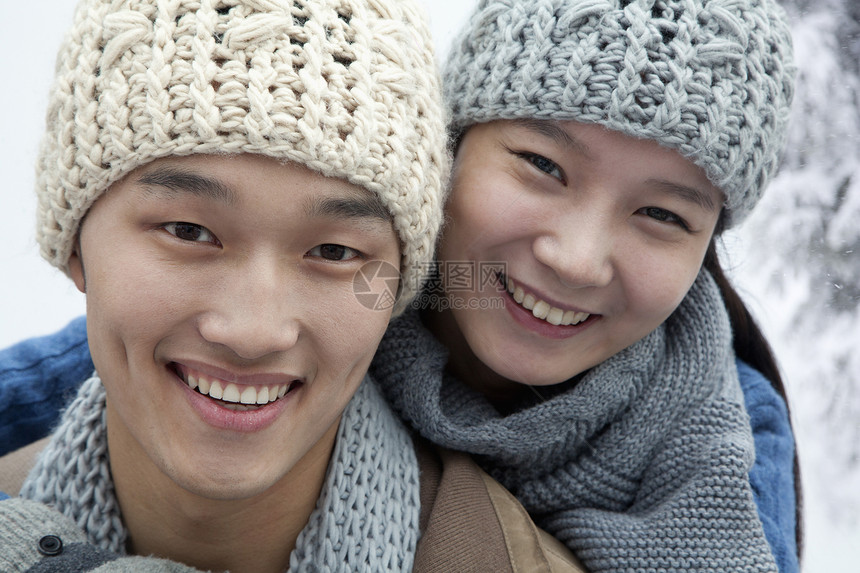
{"x":713,"y":79}
{"x":348,"y":88}
{"x":366,"y":518}
{"x":640,"y":466}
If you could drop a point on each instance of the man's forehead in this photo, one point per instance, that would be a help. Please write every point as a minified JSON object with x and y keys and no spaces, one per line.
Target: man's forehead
{"x":335,"y":198}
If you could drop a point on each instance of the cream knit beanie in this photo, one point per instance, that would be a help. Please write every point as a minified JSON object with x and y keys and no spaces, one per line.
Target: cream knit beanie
{"x":713,"y":79}
{"x":348,"y":88}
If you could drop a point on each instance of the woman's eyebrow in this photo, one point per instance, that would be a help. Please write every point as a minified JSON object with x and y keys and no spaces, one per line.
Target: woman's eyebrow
{"x":690,"y":194}
{"x":552,"y":130}
{"x":176,"y":181}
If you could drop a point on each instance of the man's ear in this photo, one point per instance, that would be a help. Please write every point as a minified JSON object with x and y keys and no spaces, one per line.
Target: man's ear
{"x":76,"y":268}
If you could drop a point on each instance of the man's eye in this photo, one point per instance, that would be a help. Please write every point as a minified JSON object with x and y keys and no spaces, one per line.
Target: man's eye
{"x":333,"y":252}
{"x":190,"y":232}
{"x":664,"y":216}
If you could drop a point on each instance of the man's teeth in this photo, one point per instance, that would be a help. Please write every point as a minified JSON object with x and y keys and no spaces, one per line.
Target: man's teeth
{"x":228,"y":392}
{"x":543,"y":310}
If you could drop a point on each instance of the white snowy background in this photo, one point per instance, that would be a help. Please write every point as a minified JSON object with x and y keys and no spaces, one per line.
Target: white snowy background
{"x":797,"y":260}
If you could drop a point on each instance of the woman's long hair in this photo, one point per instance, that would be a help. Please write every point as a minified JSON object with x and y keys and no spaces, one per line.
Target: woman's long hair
{"x":752,"y":347}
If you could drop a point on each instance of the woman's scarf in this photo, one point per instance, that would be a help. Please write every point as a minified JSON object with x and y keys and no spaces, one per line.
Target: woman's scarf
{"x":640,"y":465}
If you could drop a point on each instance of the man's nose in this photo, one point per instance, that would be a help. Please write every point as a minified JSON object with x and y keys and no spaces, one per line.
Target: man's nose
{"x":252,"y":311}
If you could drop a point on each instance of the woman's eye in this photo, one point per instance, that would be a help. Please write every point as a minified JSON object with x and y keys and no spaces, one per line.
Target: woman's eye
{"x":333,"y":252}
{"x":190,"y":232}
{"x":664,"y":216}
{"x":548,"y":166}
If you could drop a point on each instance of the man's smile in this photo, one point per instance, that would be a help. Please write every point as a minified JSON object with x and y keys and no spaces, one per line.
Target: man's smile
{"x":238,"y":397}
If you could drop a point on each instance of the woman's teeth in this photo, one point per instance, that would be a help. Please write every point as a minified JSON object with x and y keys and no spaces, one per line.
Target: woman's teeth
{"x":237,"y":396}
{"x":543,"y":310}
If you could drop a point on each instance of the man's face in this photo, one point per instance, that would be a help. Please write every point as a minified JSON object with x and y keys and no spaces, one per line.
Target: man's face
{"x":222,"y":317}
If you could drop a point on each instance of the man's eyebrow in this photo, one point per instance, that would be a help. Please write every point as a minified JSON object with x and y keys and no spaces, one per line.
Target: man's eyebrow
{"x":690,"y":194}
{"x":177,"y":181}
{"x":358,"y":206}
{"x":552,"y":130}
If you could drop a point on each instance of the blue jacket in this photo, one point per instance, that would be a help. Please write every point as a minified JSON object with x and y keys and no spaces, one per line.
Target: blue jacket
{"x":38,"y":377}
{"x":772,"y":475}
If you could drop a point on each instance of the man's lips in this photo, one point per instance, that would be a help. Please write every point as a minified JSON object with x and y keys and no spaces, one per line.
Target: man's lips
{"x":235,"y":395}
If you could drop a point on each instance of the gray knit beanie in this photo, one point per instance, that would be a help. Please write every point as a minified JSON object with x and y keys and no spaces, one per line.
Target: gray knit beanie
{"x":348,"y":88}
{"x":713,"y":79}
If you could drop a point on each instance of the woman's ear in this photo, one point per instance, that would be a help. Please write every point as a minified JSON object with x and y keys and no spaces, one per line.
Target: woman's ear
{"x":76,"y":268}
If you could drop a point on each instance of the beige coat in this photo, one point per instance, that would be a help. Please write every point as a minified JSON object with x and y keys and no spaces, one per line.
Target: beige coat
{"x":469,"y":522}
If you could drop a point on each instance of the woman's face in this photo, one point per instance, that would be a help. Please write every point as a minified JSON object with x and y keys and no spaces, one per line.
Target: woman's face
{"x":599,"y":236}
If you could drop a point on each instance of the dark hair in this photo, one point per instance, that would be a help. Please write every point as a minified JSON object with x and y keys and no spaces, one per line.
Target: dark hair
{"x":752,"y":347}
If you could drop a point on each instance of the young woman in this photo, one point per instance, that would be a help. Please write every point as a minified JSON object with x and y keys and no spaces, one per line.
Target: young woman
{"x":600,"y":150}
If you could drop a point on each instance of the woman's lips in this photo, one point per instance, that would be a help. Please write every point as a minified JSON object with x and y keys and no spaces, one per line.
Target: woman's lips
{"x":541,"y":309}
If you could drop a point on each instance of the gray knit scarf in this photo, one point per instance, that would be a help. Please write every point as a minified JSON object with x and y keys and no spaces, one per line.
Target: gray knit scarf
{"x":640,"y":466}
{"x":366,"y":518}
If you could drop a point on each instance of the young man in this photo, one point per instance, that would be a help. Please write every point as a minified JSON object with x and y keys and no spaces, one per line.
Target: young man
{"x":214,"y":177}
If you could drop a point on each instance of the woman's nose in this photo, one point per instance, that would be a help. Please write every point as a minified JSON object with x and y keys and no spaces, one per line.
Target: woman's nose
{"x":579,"y":252}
